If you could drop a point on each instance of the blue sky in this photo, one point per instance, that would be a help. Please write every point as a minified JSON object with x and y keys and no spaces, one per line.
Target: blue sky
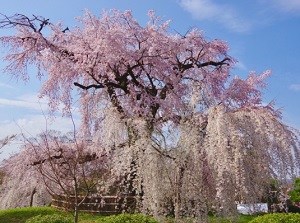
{"x":262,"y":34}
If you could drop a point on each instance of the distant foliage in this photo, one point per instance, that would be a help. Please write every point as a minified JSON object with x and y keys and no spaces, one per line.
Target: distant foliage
{"x":277,"y":218}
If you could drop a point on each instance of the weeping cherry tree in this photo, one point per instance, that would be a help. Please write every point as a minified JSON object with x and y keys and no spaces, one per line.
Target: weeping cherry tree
{"x":187,"y":138}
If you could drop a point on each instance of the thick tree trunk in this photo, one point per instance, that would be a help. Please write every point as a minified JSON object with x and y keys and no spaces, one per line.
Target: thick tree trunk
{"x":135,"y":137}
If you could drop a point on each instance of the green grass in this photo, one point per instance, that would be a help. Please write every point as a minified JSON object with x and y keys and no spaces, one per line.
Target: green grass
{"x":246,"y":218}
{"x":240,"y":219}
{"x":20,"y":215}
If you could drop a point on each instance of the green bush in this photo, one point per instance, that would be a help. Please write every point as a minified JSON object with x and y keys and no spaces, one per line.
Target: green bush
{"x":295,"y":193}
{"x":128,"y":218}
{"x":49,"y":219}
{"x":277,"y":218}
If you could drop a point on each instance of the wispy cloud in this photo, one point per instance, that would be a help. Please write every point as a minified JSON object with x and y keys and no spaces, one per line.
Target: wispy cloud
{"x":25,"y":101}
{"x":289,"y":6}
{"x":3,"y":85}
{"x":223,"y":14}
{"x":28,"y":101}
{"x":295,"y":87}
{"x":36,"y":110}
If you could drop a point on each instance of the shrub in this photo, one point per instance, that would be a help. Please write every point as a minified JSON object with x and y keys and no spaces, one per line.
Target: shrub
{"x":128,"y":218}
{"x":277,"y":218}
{"x":295,"y":193}
{"x":49,"y":219}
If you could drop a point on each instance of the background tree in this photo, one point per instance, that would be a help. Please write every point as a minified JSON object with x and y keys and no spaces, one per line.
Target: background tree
{"x":19,"y":183}
{"x":4,"y":142}
{"x":135,"y":81}
{"x":68,"y":167}
{"x":65,"y":166}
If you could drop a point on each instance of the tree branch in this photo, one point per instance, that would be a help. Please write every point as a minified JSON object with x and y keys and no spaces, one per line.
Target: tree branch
{"x":183,"y":67}
{"x":82,"y":159}
{"x":96,"y":86}
{"x":163,"y":153}
{"x":213,"y":63}
{"x":22,"y":20}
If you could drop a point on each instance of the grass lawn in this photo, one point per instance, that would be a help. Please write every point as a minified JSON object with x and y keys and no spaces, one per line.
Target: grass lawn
{"x":241,"y":219}
{"x":20,"y":215}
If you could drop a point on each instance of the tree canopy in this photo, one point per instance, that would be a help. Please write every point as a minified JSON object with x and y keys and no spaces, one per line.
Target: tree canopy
{"x":143,"y":71}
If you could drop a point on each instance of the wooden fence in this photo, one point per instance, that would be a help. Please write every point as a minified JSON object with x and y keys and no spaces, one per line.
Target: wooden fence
{"x":105,"y":205}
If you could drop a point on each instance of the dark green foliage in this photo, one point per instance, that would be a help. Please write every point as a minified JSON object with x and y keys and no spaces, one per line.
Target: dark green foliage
{"x":49,"y":219}
{"x":292,"y":207}
{"x":277,"y":218}
{"x":214,"y":219}
{"x":128,"y":218}
{"x":295,"y":193}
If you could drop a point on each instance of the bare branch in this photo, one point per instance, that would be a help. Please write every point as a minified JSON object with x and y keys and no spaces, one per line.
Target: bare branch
{"x":37,"y":23}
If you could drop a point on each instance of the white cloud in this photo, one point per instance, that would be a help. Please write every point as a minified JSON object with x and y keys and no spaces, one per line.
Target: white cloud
{"x":28,"y":103}
{"x":223,"y":14}
{"x":290,"y":6}
{"x":3,"y":85}
{"x":295,"y":87}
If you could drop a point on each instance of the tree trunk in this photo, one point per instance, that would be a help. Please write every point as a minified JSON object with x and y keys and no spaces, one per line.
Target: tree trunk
{"x":178,"y":187}
{"x":31,"y":196}
{"x":76,"y":210}
{"x":76,"y":214}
